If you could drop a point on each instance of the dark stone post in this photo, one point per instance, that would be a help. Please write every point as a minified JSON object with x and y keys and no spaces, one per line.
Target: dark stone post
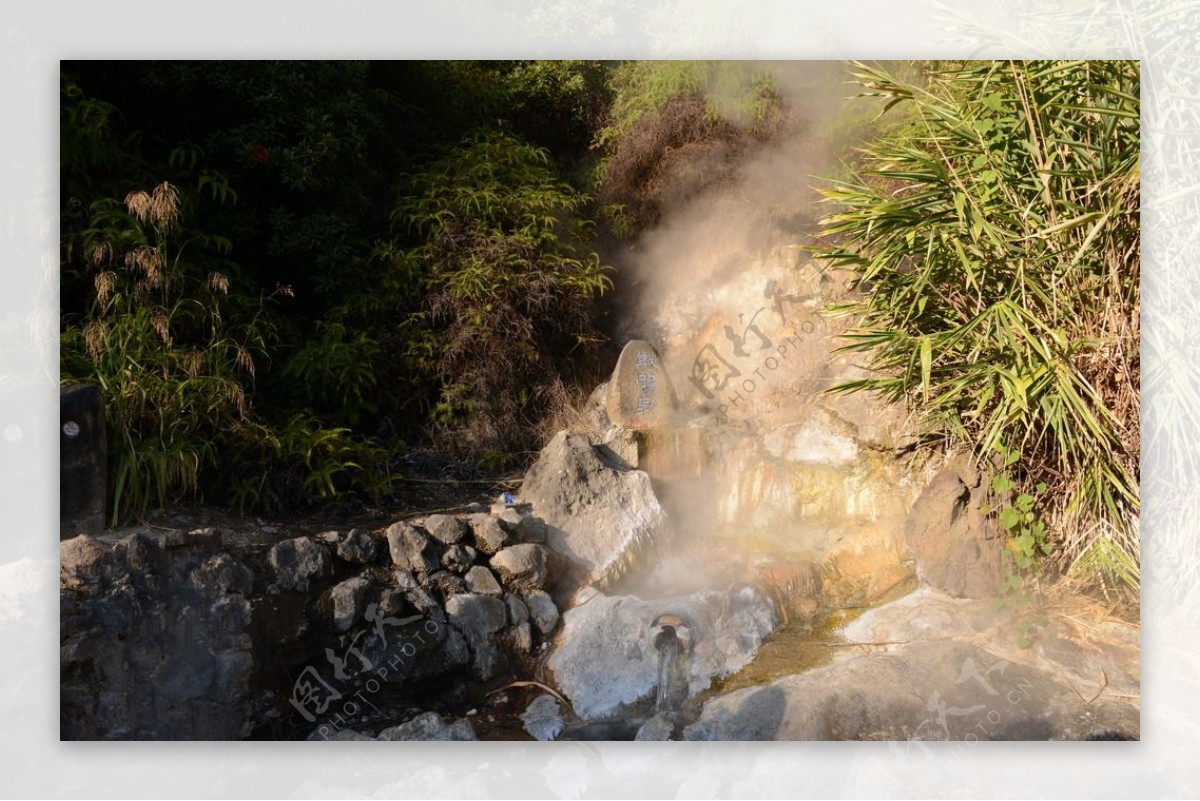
{"x":83,"y":461}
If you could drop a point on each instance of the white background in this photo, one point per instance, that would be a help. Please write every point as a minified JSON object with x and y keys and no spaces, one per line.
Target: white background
{"x":35,"y":36}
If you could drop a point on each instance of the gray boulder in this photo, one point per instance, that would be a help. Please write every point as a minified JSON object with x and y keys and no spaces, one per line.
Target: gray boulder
{"x":358,"y":547}
{"x":447,"y":529}
{"x":935,"y":690}
{"x":542,"y":611}
{"x":524,"y":567}
{"x":412,"y":549}
{"x":599,"y":517}
{"x":490,"y":536}
{"x":458,"y":558}
{"x":347,"y":599}
{"x":543,"y":718}
{"x":429,"y":726}
{"x":480,"y":580}
{"x":606,"y":659}
{"x":517,"y":611}
{"x":478,"y":617}
{"x":297,"y":562}
{"x":224,"y":574}
{"x":957,"y":548}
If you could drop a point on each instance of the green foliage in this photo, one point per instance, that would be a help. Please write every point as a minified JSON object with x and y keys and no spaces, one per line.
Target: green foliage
{"x":174,"y":372}
{"x":996,"y":243}
{"x":509,"y":285}
{"x":302,"y":461}
{"x":741,"y":92}
{"x":335,"y":370}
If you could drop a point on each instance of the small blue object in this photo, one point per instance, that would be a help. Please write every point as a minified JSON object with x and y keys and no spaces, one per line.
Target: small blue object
{"x":508,"y":498}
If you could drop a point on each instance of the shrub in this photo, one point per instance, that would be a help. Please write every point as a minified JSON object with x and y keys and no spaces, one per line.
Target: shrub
{"x":996,"y":240}
{"x":174,"y":373}
{"x":509,"y":287}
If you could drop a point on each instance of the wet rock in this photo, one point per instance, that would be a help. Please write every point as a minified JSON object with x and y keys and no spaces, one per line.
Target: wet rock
{"x":600,"y":518}
{"x":358,"y":547}
{"x":524,"y":567}
{"x":542,"y":611}
{"x":429,"y":726}
{"x":447,"y":529}
{"x":480,"y":580}
{"x":813,"y":442}
{"x":347,"y":598}
{"x":957,"y":549}
{"x":543,"y":718}
{"x":657,"y":729}
{"x":490,"y":536}
{"x":297,"y":562}
{"x":937,"y":690}
{"x":478,"y":617}
{"x":224,"y":574}
{"x":412,"y":549}
{"x":605,"y":659}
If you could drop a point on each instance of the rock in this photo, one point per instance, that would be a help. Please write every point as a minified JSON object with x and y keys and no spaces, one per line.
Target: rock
{"x":429,"y":726}
{"x":542,"y":611}
{"x":600,"y":518}
{"x":298,"y":561}
{"x":478,"y":617}
{"x":524,"y":567}
{"x":956,"y":548}
{"x":595,"y":411}
{"x":141,"y":554}
{"x":81,"y":563}
{"x":325,"y":733}
{"x":490,"y":536}
{"x":412,"y":549}
{"x":447,"y":529}
{"x":358,"y":547}
{"x":519,"y":638}
{"x":517,"y":611}
{"x":509,"y":518}
{"x":531,"y":529}
{"x":480,"y":580}
{"x":605,"y":659}
{"x":936,"y":690}
{"x":347,"y":598}
{"x":458,"y":558}
{"x":657,"y":729}
{"x":639,"y":394}
{"x":445,"y":583}
{"x":620,"y":449}
{"x":224,"y":574}
{"x":207,"y":537}
{"x":812,"y":442}
{"x":543,"y":718}
{"x":330,"y":537}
